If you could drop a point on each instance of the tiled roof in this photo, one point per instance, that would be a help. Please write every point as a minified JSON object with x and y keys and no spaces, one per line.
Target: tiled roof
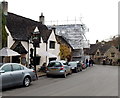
{"x":95,"y":47}
{"x":21,"y":27}
{"x":104,"y":48}
{"x":63,"y":40}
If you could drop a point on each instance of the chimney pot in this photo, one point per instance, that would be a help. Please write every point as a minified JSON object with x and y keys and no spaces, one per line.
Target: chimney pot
{"x":5,"y":7}
{"x":41,"y":18}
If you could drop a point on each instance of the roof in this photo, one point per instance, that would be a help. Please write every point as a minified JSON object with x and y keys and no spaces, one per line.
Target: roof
{"x":104,"y":48}
{"x":21,"y":27}
{"x":18,"y":47}
{"x":62,"y":40}
{"x":95,"y":47}
{"x":45,"y":35}
{"x":73,"y":34}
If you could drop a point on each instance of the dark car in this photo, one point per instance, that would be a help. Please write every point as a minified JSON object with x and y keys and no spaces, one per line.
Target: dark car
{"x":76,"y":66}
{"x":14,"y":74}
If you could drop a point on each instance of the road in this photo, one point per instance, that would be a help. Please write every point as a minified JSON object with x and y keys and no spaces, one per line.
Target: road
{"x":98,"y":80}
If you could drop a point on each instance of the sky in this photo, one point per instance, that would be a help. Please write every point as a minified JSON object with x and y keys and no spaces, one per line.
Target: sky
{"x":100,"y":16}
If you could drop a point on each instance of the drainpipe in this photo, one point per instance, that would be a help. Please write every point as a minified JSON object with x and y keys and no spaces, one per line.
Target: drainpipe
{"x":28,"y":54}
{"x":46,"y":51}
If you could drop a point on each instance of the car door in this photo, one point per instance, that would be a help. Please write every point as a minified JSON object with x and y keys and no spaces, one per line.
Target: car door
{"x":7,"y":79}
{"x":18,"y":73}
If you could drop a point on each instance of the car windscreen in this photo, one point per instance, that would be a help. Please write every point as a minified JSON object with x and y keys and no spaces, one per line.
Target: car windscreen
{"x":72,"y":63}
{"x":54,"y":64}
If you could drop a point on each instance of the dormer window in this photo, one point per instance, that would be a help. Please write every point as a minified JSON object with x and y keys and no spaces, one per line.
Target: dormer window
{"x":98,"y":53}
{"x":52,"y":45}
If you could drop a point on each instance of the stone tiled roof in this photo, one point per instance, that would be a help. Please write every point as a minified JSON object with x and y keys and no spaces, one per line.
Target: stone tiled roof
{"x":73,"y":34}
{"x":95,"y":47}
{"x":21,"y":27}
{"x":61,"y":39}
{"x":104,"y":48}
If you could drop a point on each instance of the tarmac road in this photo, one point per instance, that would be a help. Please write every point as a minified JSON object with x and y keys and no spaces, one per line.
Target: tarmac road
{"x":98,"y":80}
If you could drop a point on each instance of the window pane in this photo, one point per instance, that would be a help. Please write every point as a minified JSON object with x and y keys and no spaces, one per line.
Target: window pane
{"x":52,"y":44}
{"x":22,"y":68}
{"x":7,"y":68}
{"x":16,"y":67}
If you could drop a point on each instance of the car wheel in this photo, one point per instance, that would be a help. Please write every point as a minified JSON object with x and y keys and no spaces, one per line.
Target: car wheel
{"x":76,"y":70}
{"x":70,"y":71}
{"x":65,"y":74}
{"x":48,"y":75}
{"x":80,"y":68}
{"x":26,"y":81}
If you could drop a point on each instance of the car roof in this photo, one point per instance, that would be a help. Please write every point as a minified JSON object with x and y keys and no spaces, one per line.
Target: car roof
{"x":75,"y":61}
{"x":62,"y":61}
{"x":8,"y":63}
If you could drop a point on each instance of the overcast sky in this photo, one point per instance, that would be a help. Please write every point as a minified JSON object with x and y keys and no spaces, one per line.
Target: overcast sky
{"x":100,"y":16}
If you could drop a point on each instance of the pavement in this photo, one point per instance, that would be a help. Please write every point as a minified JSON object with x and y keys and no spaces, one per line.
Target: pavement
{"x":40,"y":74}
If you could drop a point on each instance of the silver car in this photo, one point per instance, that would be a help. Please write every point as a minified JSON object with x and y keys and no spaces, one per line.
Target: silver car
{"x":76,"y":66}
{"x":13,"y":74}
{"x":58,"y":68}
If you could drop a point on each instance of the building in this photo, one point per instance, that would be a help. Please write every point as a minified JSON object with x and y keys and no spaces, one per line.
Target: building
{"x":20,"y":39}
{"x":104,"y":52}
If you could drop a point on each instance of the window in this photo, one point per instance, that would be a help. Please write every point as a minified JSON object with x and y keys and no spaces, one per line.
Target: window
{"x":98,"y":53}
{"x":7,"y":68}
{"x":52,"y":45}
{"x":16,"y":67}
{"x":55,"y":64}
{"x":21,"y":67}
{"x":112,"y":54}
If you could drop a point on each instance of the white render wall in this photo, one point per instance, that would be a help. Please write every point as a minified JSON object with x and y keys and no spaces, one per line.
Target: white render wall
{"x":9,"y":39}
{"x":55,"y":51}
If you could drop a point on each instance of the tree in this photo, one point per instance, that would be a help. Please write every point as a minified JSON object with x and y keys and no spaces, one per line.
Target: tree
{"x":65,"y":52}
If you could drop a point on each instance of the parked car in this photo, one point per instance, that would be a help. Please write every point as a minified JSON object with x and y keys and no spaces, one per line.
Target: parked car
{"x":76,"y":66}
{"x":84,"y":66}
{"x":13,"y":74}
{"x":58,"y":68}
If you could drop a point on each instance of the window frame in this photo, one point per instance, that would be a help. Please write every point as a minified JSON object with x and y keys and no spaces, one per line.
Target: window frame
{"x":112,"y":54}
{"x":52,"y":44}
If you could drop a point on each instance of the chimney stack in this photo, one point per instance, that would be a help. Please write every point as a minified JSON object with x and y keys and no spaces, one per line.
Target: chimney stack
{"x":5,"y":7}
{"x":41,"y":18}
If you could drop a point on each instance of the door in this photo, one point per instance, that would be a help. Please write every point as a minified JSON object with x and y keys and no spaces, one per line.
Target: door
{"x":18,"y":73}
{"x":7,"y":79}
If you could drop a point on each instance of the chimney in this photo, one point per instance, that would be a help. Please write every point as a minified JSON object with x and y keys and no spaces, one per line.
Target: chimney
{"x":5,"y":7}
{"x":41,"y":18}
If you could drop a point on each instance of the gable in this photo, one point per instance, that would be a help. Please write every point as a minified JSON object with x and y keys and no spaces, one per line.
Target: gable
{"x":52,"y":37}
{"x":112,"y":49}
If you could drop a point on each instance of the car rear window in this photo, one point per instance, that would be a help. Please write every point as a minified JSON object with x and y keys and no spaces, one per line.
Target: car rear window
{"x":72,"y":63}
{"x":54,"y":64}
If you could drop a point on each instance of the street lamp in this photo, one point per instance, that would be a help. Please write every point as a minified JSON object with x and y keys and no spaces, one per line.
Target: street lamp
{"x":36,"y":41}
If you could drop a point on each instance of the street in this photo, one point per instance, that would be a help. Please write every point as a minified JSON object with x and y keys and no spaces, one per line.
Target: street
{"x":98,"y":80}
